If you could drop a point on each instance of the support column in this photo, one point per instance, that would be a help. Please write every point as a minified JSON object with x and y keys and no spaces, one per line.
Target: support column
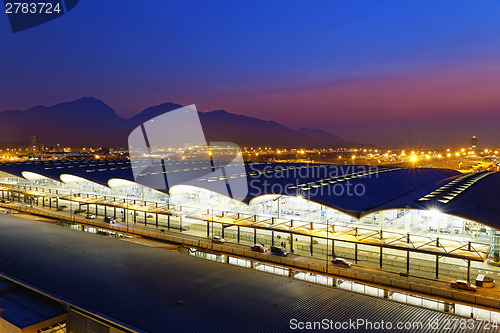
{"x":407,"y":253}
{"x":291,"y":242}
{"x":208,"y":229}
{"x":222,"y":230}
{"x":356,"y":253}
{"x":468,"y":262}
{"x":437,"y":266}
{"x":135,"y":216}
{"x":272,"y":238}
{"x":311,"y":250}
{"x":468,"y":270}
{"x":437,"y":260}
{"x":168,"y":222}
{"x":105,"y":210}
{"x":255,"y":235}
{"x":238,"y":234}
{"x":156,"y":220}
{"x":381,"y":256}
{"x":407,"y":262}
{"x":145,"y":218}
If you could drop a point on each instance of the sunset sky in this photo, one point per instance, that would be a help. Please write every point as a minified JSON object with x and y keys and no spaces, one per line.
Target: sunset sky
{"x":392,"y":73}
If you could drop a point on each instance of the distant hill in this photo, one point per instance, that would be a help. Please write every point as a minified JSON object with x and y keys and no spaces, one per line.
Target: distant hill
{"x":80,"y":123}
{"x":90,"y":122}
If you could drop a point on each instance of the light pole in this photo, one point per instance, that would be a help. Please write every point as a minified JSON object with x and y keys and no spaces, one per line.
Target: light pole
{"x":212,"y":224}
{"x":327,"y":239}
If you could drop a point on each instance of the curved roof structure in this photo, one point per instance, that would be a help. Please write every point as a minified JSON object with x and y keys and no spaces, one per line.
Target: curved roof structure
{"x":353,"y":189}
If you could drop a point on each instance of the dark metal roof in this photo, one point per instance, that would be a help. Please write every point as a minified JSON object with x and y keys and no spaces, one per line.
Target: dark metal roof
{"x":23,"y":308}
{"x":154,"y":290}
{"x":372,"y":189}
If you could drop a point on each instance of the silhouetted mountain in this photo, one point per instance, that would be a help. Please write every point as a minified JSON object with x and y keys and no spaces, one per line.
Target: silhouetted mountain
{"x":90,"y":122}
{"x":84,"y":122}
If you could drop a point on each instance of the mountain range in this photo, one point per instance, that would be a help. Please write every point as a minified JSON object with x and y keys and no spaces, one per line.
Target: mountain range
{"x":90,"y":122}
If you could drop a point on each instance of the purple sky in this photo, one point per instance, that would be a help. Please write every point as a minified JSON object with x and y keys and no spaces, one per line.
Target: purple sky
{"x":393,"y":73}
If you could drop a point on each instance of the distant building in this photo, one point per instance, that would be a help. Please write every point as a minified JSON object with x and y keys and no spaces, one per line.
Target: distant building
{"x":473,"y":142}
{"x":32,"y":141}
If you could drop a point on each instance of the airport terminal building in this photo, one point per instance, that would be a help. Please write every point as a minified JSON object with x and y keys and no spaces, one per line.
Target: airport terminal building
{"x":413,"y":222}
{"x":351,"y":211}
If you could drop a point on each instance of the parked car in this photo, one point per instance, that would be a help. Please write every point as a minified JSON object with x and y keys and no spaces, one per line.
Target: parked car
{"x":279,"y":251}
{"x":109,"y":219}
{"x":90,"y":216}
{"x":341,"y":262}
{"x":461,"y":284}
{"x":218,"y":239}
{"x":259,"y":248}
